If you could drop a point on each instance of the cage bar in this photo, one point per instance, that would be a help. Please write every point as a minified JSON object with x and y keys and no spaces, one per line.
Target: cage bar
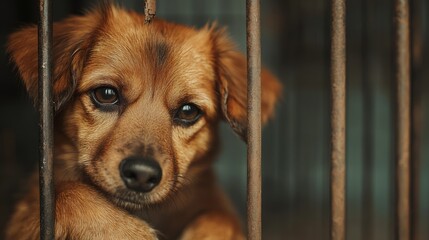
{"x":254,"y":120}
{"x":402,"y":123}
{"x":46,"y":181}
{"x":338,"y":119}
{"x":149,"y":10}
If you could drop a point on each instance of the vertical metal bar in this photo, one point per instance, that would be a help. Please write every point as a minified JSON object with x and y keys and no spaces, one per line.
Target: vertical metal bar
{"x":368,"y":128}
{"x":338,"y":120}
{"x":402,"y":67}
{"x":47,"y":198}
{"x":149,"y":10}
{"x":254,"y":120}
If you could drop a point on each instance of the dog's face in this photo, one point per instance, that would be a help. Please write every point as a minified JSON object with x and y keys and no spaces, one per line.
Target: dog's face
{"x":141,"y":102}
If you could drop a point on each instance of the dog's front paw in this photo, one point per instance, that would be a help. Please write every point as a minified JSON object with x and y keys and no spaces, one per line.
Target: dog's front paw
{"x":213,"y":226}
{"x":82,"y":213}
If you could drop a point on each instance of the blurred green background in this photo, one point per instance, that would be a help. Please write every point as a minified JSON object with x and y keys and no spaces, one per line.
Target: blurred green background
{"x":295,"y":46}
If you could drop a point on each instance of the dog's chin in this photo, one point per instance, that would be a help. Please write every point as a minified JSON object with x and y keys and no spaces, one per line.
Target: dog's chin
{"x":135,"y":201}
{"x":132,"y":200}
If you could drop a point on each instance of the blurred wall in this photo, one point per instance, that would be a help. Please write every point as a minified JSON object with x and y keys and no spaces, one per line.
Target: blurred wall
{"x":295,"y":44}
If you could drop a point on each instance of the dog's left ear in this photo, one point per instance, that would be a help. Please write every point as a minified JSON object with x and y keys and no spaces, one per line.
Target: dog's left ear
{"x":232,"y":81}
{"x":71,"y":41}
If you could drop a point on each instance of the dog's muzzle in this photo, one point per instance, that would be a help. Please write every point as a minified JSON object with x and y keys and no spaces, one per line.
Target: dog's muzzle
{"x":140,"y":174}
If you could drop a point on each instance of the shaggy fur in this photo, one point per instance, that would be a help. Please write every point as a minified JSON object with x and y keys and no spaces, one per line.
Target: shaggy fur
{"x":156,"y":68}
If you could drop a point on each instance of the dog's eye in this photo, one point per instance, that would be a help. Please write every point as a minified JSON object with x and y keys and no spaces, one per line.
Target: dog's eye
{"x":187,"y":114}
{"x":105,"y":96}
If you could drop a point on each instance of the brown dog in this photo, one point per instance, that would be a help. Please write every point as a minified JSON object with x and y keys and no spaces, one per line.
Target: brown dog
{"x":137,"y":111}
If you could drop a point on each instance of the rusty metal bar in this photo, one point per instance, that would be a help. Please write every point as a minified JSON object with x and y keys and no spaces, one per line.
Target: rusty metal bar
{"x":46,"y":181}
{"x":338,"y":120}
{"x":402,"y":68}
{"x":254,"y":228}
{"x":149,"y":10}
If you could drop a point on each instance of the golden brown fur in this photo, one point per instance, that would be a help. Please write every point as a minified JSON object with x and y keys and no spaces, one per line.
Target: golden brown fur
{"x":155,"y":67}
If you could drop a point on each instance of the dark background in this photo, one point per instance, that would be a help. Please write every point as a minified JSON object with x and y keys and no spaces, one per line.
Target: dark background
{"x":295,"y":43}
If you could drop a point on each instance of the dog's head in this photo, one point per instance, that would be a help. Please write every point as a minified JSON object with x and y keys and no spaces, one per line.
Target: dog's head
{"x":141,"y":102}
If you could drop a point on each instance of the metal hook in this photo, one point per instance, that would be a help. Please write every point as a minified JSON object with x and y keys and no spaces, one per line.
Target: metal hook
{"x":149,"y":10}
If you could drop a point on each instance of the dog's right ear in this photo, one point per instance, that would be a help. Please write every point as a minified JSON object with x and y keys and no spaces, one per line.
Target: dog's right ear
{"x":72,"y":40}
{"x":232,"y":83}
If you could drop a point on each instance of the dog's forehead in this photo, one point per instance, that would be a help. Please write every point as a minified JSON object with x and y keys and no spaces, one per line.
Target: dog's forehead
{"x":159,"y":57}
{"x":155,"y":48}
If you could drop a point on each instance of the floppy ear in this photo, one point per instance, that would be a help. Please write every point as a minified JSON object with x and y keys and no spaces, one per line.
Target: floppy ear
{"x":72,"y":39}
{"x":232,"y":76}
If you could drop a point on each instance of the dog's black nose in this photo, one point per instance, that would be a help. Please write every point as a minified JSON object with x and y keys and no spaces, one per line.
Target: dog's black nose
{"x":140,"y":174}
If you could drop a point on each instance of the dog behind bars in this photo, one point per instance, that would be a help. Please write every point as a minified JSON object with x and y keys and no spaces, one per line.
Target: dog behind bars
{"x":137,"y":109}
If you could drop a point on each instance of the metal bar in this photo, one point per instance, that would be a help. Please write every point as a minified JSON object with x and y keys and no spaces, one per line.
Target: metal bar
{"x":46,"y":181}
{"x":338,"y":120}
{"x":149,"y":10}
{"x":254,"y":120}
{"x":402,"y":67}
{"x":368,"y":128}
